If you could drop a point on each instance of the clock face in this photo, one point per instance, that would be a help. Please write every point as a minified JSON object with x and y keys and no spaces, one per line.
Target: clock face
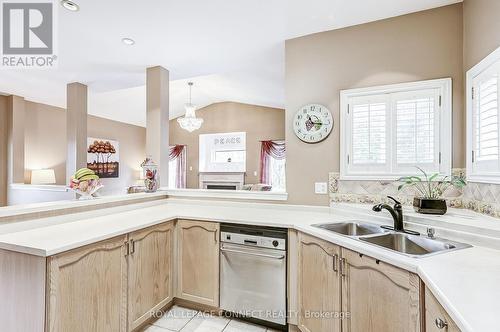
{"x":313,"y":123}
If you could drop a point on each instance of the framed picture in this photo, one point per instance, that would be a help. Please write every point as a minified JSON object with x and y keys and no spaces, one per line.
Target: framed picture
{"x":103,"y":157}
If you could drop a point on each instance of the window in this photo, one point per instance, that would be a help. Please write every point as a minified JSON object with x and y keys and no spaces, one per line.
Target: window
{"x":272,"y":164}
{"x":230,"y":156}
{"x":278,"y":174}
{"x":222,"y":152}
{"x":483,"y":146}
{"x":387,"y":131}
{"x":177,"y":167}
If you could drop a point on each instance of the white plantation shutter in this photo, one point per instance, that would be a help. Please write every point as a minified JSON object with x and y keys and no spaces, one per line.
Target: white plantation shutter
{"x":369,"y":133}
{"x":485,"y":122}
{"x":389,"y":130}
{"x":416,"y":124}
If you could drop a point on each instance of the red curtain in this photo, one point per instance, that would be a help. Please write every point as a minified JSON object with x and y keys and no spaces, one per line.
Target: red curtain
{"x":270,"y":149}
{"x":178,"y":153}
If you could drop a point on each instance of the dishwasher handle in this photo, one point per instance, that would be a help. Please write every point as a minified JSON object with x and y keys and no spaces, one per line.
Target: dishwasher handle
{"x":224,"y":250}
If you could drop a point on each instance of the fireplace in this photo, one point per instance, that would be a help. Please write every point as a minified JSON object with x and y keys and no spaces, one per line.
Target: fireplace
{"x":221,"y":186}
{"x":222,"y":180}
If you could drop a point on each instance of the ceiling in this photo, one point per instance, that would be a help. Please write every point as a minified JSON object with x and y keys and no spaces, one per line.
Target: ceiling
{"x":231,"y":49}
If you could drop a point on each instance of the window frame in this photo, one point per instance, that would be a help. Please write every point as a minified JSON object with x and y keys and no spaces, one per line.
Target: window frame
{"x":489,"y":62}
{"x":390,"y":172}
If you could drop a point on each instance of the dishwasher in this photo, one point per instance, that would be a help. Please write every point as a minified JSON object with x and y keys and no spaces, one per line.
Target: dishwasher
{"x":253,"y":272}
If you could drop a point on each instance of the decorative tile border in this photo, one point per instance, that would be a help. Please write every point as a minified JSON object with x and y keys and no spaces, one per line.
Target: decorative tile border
{"x":480,"y":197}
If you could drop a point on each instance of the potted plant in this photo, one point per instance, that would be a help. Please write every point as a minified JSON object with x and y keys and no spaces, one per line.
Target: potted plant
{"x":429,"y":191}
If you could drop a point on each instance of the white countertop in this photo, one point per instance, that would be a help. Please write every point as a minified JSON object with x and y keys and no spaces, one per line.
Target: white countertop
{"x":466,"y":282}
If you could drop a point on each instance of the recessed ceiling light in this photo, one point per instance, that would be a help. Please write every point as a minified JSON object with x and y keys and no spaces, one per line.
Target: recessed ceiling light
{"x":128,"y":41}
{"x":70,"y":5}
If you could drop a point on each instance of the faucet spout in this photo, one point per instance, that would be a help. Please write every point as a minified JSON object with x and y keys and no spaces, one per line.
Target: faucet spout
{"x":396,"y":213}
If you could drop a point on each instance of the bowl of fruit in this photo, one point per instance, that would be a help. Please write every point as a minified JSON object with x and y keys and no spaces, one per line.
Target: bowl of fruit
{"x":85,"y":183}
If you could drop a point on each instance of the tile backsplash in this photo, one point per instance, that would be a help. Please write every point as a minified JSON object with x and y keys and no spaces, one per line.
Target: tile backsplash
{"x":480,"y":197}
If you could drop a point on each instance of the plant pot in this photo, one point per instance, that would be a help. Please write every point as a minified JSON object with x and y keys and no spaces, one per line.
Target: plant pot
{"x":429,"y":205}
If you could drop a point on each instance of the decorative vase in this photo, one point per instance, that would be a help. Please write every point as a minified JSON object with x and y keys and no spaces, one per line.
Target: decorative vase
{"x":429,"y":205}
{"x":150,"y":173}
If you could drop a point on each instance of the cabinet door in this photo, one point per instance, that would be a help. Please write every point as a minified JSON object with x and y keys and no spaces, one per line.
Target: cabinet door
{"x":87,"y":288}
{"x":149,"y":272}
{"x":199,"y":262}
{"x":319,"y":291}
{"x":378,"y":296}
{"x":436,"y":318}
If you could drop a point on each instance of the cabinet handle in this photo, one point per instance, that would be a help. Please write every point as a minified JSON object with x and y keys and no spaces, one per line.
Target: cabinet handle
{"x":440,"y":324}
{"x":215,"y":236}
{"x":342,"y":267}
{"x":127,"y":248}
{"x":132,"y":246}
{"x":335,"y":263}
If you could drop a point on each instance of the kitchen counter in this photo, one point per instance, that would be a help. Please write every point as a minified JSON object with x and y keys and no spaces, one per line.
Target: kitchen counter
{"x":464,"y":281}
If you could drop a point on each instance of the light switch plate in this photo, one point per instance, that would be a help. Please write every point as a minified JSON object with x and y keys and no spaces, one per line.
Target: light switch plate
{"x":320,"y":188}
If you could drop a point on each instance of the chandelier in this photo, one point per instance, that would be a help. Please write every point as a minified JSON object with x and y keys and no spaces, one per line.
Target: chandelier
{"x":190,"y":122}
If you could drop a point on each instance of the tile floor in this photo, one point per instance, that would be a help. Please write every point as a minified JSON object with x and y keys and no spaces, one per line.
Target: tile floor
{"x":180,"y":319}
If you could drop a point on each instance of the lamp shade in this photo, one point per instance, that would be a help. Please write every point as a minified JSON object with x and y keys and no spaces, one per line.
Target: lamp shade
{"x":43,"y":176}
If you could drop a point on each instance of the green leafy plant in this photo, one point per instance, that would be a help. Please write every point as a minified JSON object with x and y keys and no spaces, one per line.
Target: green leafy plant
{"x":429,"y":186}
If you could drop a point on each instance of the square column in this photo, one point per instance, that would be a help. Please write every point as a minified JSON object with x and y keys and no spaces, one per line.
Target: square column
{"x":15,"y":139}
{"x":157,"y":119}
{"x":76,"y":128}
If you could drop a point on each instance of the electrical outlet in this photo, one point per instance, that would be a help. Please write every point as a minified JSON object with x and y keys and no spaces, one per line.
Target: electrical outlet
{"x":320,"y":188}
{"x":254,"y":173}
{"x":190,"y":168}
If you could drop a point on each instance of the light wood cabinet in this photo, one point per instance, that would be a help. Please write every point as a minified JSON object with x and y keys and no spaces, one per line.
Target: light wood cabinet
{"x":198,"y":255}
{"x":149,"y":272}
{"x":436,"y":318}
{"x":87,"y":288}
{"x":378,"y":296}
{"x":319,"y":291}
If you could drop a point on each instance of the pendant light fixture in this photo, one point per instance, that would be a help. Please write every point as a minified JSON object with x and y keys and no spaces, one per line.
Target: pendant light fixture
{"x":190,"y":122}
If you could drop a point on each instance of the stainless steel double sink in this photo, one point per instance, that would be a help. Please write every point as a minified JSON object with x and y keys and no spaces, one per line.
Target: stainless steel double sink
{"x":407,"y":244}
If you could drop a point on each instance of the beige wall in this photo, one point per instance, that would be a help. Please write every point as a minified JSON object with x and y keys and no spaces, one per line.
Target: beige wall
{"x":419,"y":46}
{"x":260,"y":123}
{"x":45,"y":144}
{"x":3,"y":150}
{"x":481,"y":30}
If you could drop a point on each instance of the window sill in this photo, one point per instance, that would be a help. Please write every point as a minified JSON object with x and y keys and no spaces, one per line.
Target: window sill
{"x":491,"y":179}
{"x":228,"y":194}
{"x":384,"y":177}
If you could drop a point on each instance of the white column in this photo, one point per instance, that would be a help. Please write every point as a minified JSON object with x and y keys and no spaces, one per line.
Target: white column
{"x":157,"y":119}
{"x":76,"y":128}
{"x":15,"y":139}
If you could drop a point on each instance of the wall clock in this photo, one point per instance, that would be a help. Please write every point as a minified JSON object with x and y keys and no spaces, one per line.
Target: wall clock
{"x":313,"y":123}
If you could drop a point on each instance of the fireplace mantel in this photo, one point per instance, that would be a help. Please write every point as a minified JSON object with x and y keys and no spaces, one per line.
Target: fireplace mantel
{"x":229,"y":179}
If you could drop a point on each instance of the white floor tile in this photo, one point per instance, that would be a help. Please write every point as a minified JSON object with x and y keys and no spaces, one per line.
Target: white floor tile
{"x":176,"y":318}
{"x":152,"y":328}
{"x":240,"y":326}
{"x":205,"y":323}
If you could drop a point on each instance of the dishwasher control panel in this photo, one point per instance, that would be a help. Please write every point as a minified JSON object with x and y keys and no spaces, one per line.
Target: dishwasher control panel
{"x":249,"y":236}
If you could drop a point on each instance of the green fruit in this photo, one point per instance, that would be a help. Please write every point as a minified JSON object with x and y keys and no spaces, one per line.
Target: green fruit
{"x":89,"y":177}
{"x":83,"y":172}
